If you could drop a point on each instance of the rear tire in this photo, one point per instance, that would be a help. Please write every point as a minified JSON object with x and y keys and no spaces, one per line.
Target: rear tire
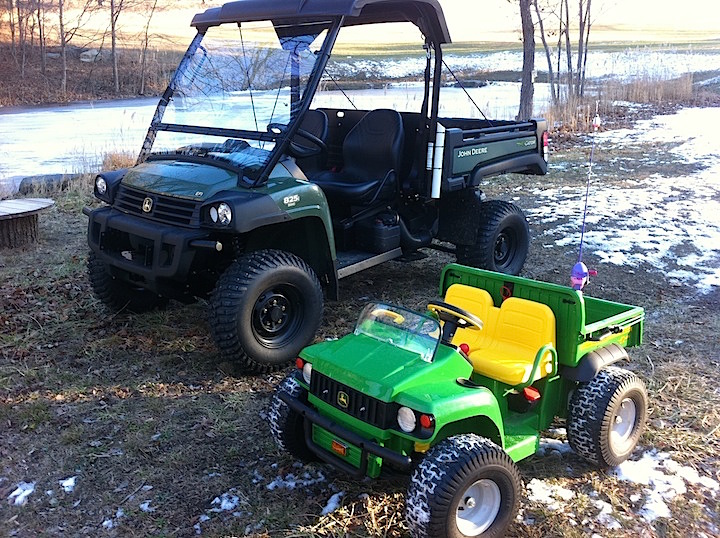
{"x":287,"y":426}
{"x":117,"y":295}
{"x":465,"y":486}
{"x":503,"y":239}
{"x":265,"y":308}
{"x":607,"y":416}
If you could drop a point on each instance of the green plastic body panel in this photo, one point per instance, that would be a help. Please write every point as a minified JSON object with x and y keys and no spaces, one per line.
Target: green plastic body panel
{"x":583,"y":324}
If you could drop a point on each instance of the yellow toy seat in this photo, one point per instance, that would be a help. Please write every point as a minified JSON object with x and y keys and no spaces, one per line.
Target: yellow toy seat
{"x":523,"y":328}
{"x":478,"y":302}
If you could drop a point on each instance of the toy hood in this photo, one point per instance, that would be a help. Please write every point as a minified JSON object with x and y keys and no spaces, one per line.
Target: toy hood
{"x":379,"y":369}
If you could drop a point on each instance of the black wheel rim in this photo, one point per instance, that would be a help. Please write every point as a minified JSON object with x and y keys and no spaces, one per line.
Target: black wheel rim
{"x":277,"y":315}
{"x":505,"y":247}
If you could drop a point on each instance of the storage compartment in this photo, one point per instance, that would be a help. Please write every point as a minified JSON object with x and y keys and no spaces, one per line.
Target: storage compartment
{"x":378,"y":234}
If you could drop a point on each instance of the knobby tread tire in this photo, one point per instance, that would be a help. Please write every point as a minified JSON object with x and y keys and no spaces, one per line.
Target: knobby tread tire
{"x":287,"y":426}
{"x":445,"y":472}
{"x":495,"y":217}
{"x":119,"y":296}
{"x":592,"y":409}
{"x":231,"y":302}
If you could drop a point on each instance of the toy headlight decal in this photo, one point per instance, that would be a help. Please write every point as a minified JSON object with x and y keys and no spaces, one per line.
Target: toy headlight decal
{"x":406,"y":419}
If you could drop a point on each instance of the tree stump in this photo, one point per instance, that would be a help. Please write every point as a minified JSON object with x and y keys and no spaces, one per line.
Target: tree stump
{"x":19,"y":220}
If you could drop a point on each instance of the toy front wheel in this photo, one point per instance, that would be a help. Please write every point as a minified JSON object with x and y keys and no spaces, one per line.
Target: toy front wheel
{"x":465,"y":486}
{"x":607,"y":416}
{"x":287,"y":426}
{"x":503,"y":239}
{"x":266,"y":307}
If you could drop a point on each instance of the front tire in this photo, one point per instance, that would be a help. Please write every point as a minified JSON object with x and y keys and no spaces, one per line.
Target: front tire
{"x":465,"y":486}
{"x":117,"y":295}
{"x":287,"y":426}
{"x":607,"y":416}
{"x":266,"y":307}
{"x":503,"y":239}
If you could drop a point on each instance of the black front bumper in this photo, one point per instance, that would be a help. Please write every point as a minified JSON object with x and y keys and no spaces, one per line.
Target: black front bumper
{"x":367,"y":447}
{"x":142,"y":252}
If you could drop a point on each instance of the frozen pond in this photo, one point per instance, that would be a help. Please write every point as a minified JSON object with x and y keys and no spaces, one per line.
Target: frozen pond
{"x":74,"y":138}
{"x":71,"y":139}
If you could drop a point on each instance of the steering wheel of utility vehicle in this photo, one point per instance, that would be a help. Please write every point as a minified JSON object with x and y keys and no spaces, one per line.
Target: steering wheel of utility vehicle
{"x":300,"y":151}
{"x":454,"y":317}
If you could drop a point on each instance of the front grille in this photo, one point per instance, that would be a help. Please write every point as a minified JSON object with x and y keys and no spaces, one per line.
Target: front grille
{"x":359,"y":405}
{"x":165,"y":209}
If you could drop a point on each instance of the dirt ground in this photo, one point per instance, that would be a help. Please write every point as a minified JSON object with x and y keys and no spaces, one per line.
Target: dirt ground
{"x":164,"y":439}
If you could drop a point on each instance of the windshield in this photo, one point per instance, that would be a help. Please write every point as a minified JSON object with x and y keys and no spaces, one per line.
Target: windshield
{"x":400,"y":327}
{"x":236,"y":91}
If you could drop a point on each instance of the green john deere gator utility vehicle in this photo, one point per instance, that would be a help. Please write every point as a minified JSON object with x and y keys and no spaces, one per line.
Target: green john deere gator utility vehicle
{"x":457,"y":395}
{"x":270,"y":172}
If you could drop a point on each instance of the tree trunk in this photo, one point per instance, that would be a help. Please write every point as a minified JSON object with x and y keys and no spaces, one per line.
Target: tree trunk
{"x":146,"y":43}
{"x":18,"y":231}
{"x":114,"y":12}
{"x":551,"y":74}
{"x":527,"y":88}
{"x":63,"y":46}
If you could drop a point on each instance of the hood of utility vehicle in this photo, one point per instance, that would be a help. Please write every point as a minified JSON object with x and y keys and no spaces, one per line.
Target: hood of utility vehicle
{"x":175,"y":178}
{"x":382,"y":370}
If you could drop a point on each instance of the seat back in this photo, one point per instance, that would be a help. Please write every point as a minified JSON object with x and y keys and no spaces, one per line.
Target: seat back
{"x":374,"y":146}
{"x":316,"y":123}
{"x":523,"y":327}
{"x":477,"y":301}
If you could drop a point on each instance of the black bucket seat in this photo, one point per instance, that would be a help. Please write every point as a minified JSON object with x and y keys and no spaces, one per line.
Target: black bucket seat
{"x":372,"y":155}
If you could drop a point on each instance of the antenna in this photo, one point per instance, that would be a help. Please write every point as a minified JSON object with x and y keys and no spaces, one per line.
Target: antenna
{"x":580,"y":274}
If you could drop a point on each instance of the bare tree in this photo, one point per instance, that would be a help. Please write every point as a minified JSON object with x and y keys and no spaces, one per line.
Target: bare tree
{"x":527,"y":88}
{"x":575,"y":59}
{"x":145,"y":45}
{"x":67,"y":30}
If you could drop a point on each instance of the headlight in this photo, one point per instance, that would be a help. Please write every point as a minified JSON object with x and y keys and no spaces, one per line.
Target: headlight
{"x":406,"y":419}
{"x":224,"y":214}
{"x":100,"y":185}
{"x":307,"y":372}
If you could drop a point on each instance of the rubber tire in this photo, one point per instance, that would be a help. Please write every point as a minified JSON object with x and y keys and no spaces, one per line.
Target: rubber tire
{"x":235,"y":323}
{"x":119,"y":296}
{"x":448,"y":469}
{"x":503,"y":239}
{"x":287,"y":426}
{"x":592,"y":411}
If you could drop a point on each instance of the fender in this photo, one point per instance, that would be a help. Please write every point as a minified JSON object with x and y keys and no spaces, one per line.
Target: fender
{"x":461,"y":404}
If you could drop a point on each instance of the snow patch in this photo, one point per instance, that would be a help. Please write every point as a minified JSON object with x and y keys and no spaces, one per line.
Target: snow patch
{"x":666,"y":479}
{"x":291,"y":481}
{"x":20,"y":495}
{"x":68,"y":484}
{"x":333,"y":503}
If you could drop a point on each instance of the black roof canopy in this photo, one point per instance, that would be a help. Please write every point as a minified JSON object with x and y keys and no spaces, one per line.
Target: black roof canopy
{"x":425,"y":14}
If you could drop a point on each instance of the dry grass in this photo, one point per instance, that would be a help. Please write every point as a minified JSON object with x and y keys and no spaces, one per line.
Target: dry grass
{"x":140,"y":407}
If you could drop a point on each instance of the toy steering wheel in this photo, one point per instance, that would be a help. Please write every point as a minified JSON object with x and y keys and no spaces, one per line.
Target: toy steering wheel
{"x":297,"y":150}
{"x":454,"y":317}
{"x":385,"y":313}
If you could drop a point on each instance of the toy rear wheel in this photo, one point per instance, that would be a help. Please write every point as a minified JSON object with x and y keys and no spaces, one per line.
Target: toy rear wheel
{"x":607,"y":416}
{"x":117,"y":295}
{"x":503,"y":239}
{"x":465,"y":486}
{"x":266,"y":307}
{"x":287,"y":426}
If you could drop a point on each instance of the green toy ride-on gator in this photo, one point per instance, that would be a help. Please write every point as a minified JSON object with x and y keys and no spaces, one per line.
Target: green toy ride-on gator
{"x":456,"y":396}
